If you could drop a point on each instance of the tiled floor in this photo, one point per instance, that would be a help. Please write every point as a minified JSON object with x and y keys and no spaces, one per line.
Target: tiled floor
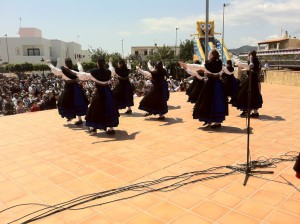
{"x":44,"y":159}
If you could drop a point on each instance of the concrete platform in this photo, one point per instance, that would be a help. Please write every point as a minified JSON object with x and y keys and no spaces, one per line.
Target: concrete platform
{"x":45,"y":160}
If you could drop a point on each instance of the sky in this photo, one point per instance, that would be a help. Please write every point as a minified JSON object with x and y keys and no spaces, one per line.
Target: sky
{"x":104,"y":24}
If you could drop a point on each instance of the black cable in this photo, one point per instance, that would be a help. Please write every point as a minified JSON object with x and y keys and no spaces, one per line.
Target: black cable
{"x":153,"y":190}
{"x":148,"y":186}
{"x":59,"y":207}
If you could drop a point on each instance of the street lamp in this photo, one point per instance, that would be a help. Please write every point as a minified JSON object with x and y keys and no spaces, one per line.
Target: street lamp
{"x":122,"y":48}
{"x":224,"y":5}
{"x":177,"y":28}
{"x":7,"y":49}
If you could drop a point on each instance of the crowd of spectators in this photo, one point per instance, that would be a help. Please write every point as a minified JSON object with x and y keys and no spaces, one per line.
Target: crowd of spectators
{"x":33,"y":92}
{"x":25,"y":93}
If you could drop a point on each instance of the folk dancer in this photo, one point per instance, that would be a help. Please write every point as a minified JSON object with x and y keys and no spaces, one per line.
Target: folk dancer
{"x":102,"y":112}
{"x":194,"y":89}
{"x":231,"y":84}
{"x":255,"y":96}
{"x":72,"y":101}
{"x":123,"y":91}
{"x":211,"y":105}
{"x":155,"y":101}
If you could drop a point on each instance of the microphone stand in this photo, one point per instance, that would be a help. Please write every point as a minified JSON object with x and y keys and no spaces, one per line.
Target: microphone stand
{"x":248,"y":170}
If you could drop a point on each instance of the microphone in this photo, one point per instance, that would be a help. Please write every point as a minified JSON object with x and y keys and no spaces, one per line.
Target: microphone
{"x":297,"y":167}
{"x":251,"y":65}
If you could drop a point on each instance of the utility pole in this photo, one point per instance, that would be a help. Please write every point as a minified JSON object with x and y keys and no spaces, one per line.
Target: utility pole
{"x":224,"y":5}
{"x":177,"y":28}
{"x":206,"y":29}
{"x":7,"y":49}
{"x":122,"y":48}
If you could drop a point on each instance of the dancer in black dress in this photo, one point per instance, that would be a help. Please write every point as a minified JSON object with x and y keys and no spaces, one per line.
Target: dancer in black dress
{"x":193,"y":91}
{"x":242,"y":94}
{"x":211,"y":106}
{"x":155,"y":101}
{"x":102,"y":112}
{"x":231,"y":84}
{"x":72,"y":100}
{"x":123,"y":91}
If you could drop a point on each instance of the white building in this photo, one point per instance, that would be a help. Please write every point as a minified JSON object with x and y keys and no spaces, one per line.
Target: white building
{"x":148,"y":50}
{"x":31,"y":47}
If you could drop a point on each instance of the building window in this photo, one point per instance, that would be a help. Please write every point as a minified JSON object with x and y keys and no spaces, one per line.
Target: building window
{"x":136,"y":53}
{"x":146,"y":52}
{"x":33,"y":52}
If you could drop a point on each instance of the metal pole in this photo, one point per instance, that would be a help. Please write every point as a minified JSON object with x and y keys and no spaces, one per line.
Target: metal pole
{"x":7,"y":49}
{"x":176,"y":41}
{"x":122,"y":49}
{"x":223,"y":32}
{"x":206,"y":29}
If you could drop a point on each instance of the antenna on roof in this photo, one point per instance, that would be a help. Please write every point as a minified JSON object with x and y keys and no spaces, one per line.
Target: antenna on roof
{"x":20,"y":22}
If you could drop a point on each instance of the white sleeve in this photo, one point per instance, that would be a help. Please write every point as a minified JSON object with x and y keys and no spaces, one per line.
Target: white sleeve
{"x":150,"y":67}
{"x":111,"y":68}
{"x":79,"y":66}
{"x":193,"y":73}
{"x":128,"y":65}
{"x":194,"y":67}
{"x":56,"y":71}
{"x":84,"y":76}
{"x":144,"y":73}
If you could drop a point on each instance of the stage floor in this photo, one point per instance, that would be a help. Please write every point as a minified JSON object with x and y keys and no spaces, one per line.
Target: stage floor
{"x":45,"y":160}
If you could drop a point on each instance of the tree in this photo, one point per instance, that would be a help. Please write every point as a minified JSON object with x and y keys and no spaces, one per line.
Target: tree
{"x":186,"y":50}
{"x":88,"y":65}
{"x":165,"y":53}
{"x":98,"y":53}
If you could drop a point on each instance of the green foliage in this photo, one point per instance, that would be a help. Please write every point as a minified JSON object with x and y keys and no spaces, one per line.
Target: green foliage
{"x":165,"y":53}
{"x":88,"y":65}
{"x":98,"y":53}
{"x":186,"y":51}
{"x":25,"y":67}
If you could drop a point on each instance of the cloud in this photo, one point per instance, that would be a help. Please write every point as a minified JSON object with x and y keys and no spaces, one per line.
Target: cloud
{"x":166,"y":24}
{"x":248,"y":41}
{"x":267,"y":11}
{"x":238,"y":13}
{"x":125,"y":33}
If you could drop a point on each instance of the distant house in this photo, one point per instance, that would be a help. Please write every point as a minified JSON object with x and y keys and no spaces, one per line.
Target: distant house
{"x":31,"y":47}
{"x":141,"y":52}
{"x":279,"y":44}
{"x":282,"y":53}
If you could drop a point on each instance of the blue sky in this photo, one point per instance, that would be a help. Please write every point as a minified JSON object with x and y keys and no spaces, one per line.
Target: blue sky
{"x":99,"y":23}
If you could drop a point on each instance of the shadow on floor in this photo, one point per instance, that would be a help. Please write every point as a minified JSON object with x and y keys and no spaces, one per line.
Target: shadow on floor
{"x":166,"y":121}
{"x":119,"y":136}
{"x":170,"y":107}
{"x":227,"y":129}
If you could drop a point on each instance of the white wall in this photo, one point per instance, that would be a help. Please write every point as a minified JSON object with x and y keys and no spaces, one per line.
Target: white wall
{"x":18,"y":50}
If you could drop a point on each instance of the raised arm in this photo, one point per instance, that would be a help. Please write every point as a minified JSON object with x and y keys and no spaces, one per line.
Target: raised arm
{"x":54,"y":70}
{"x":193,"y":73}
{"x":128,"y":65}
{"x":150,"y":67}
{"x":85,"y":76}
{"x":143,"y":72}
{"x":111,"y":68}
{"x":79,"y":66}
{"x":195,"y":67}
